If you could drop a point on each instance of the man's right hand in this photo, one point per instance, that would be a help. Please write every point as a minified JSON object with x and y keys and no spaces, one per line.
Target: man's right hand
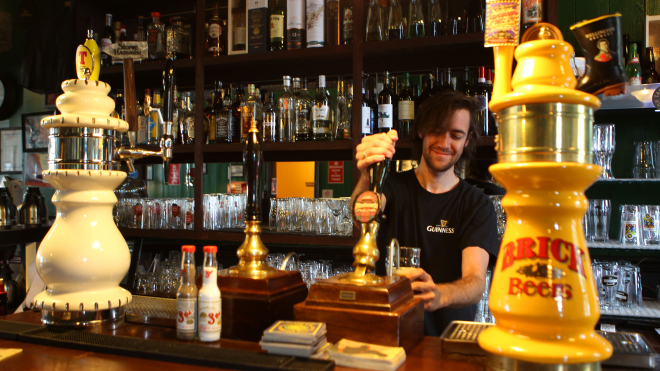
{"x":375,"y":148}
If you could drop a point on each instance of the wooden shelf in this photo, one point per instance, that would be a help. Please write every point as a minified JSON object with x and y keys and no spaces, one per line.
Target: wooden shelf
{"x":149,"y":75}
{"x":238,"y":236}
{"x":22,"y":235}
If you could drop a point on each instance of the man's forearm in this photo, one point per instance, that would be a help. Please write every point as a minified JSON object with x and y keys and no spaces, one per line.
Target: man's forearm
{"x":461,"y":293}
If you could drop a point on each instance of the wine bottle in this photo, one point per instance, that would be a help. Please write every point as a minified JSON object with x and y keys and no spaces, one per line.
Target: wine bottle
{"x":633,"y":69}
{"x":466,"y":88}
{"x":369,"y":108}
{"x":427,"y":86}
{"x":448,"y":84}
{"x":277,"y":26}
{"x":295,"y":24}
{"x":107,"y":38}
{"x":387,"y":101}
{"x":531,"y":13}
{"x":396,"y":29}
{"x":315,"y":24}
{"x":214,"y":34}
{"x":650,"y":74}
{"x":321,"y":124}
{"x":269,"y":118}
{"x":406,"y":108}
{"x":481,"y":92}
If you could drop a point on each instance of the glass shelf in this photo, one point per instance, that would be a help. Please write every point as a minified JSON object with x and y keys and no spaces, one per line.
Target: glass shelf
{"x":620,"y":246}
{"x":621,"y":180}
{"x":649,"y":309}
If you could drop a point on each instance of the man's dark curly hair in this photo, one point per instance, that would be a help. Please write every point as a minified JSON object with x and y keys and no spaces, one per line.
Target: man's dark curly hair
{"x":435,"y":115}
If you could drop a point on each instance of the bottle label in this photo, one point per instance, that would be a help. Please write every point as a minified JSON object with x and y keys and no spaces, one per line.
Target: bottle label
{"x":610,"y":280}
{"x":633,"y":60}
{"x":649,"y":223}
{"x":314,"y":22}
{"x":210,"y":315}
{"x":406,"y":110}
{"x":621,"y":296}
{"x":215,"y":30}
{"x":175,"y":211}
{"x":483,"y":101}
{"x":630,"y":230}
{"x":189,"y":218}
{"x":221,"y":126}
{"x":531,"y":11}
{"x":239,"y":35}
{"x":142,"y":130}
{"x":366,"y":120}
{"x":295,"y":14}
{"x":635,"y":80}
{"x":320,"y":113}
{"x":105,"y":42}
{"x":348,"y":24}
{"x":137,"y":211}
{"x":276,"y":27}
{"x":185,"y":321}
{"x":385,"y":116}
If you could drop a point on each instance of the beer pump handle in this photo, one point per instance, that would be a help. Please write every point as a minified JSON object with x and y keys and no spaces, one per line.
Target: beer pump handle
{"x":252,"y":159}
{"x":130,"y":101}
{"x":378,"y":172}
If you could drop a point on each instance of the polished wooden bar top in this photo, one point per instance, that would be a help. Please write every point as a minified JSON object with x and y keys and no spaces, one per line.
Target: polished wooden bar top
{"x":425,"y":356}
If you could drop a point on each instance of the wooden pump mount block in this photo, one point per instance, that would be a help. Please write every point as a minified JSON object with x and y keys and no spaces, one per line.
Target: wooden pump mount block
{"x":250,"y":305}
{"x":385,"y":314}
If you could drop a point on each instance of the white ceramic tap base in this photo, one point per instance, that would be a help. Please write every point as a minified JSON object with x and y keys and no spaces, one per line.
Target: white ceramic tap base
{"x":84,"y":257}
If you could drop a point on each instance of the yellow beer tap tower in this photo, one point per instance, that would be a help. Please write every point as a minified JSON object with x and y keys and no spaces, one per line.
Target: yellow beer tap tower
{"x":543,"y":294}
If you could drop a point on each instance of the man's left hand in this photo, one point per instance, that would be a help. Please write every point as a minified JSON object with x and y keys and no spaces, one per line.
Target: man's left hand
{"x":425,"y":288}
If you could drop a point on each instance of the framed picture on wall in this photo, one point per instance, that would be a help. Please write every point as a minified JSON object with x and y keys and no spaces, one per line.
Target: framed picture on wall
{"x":236,"y":171}
{"x":35,"y":137}
{"x":652,"y":36}
{"x":11,"y":151}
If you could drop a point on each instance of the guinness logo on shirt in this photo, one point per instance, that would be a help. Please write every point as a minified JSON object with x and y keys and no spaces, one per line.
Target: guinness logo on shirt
{"x":442,"y":228}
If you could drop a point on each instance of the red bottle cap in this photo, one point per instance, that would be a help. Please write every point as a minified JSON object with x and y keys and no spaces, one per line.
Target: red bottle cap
{"x":155,"y":14}
{"x":482,"y":72}
{"x":188,"y":248}
{"x":212,"y":249}
{"x":488,"y":74}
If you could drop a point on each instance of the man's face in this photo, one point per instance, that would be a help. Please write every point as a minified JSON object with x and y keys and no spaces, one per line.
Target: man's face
{"x":441,"y":151}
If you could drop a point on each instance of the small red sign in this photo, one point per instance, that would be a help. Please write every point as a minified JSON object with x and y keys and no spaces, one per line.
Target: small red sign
{"x":238,"y":187}
{"x":174,"y":174}
{"x":336,"y":172}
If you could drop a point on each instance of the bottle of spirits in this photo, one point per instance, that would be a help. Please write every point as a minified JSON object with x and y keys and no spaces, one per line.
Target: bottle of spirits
{"x":225,"y":132}
{"x":143,"y":118}
{"x":295,"y":24}
{"x":315,"y":27}
{"x":286,"y":113}
{"x":156,"y":118}
{"x":436,"y":16}
{"x":387,"y":101}
{"x":142,"y":35}
{"x":374,"y":30}
{"x":277,"y":25}
{"x":406,"y":107}
{"x":236,"y":107}
{"x":240,"y":28}
{"x":626,"y":48}
{"x":247,"y":112}
{"x":448,"y":84}
{"x":269,"y":118}
{"x":214,"y":38}
{"x":218,"y":129}
{"x":650,"y":74}
{"x":209,"y":302}
{"x":258,"y":108}
{"x":176,"y":114}
{"x":531,"y":13}
{"x":396,"y":29}
{"x":156,"y":37}
{"x":303,"y":105}
{"x":477,"y":22}
{"x":321,"y":123}
{"x":347,"y":22}
{"x":466,"y":88}
{"x":186,"y":296}
{"x":416,"y":20}
{"x":385,"y":18}
{"x":343,"y":111}
{"x":438,"y":85}
{"x":427,"y":85}
{"x":107,"y":38}
{"x":332,"y":22}
{"x":177,"y":40}
{"x":481,"y":92}
{"x":188,"y":120}
{"x":633,"y":69}
{"x":119,"y":104}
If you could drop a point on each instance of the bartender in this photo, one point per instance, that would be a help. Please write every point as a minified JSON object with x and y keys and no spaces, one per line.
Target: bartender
{"x":430,"y":207}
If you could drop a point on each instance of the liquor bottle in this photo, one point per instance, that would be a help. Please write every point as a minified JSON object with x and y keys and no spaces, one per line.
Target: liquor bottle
{"x":188,"y":120}
{"x":454,"y":23}
{"x":342,"y":116}
{"x":143,"y":118}
{"x":396,"y":29}
{"x":531,"y":13}
{"x":303,"y":105}
{"x":489,"y":80}
{"x":277,"y":26}
{"x":416,"y":20}
{"x":347,"y":22}
{"x":142,"y":35}
{"x":186,"y":296}
{"x":466,"y":88}
{"x":258,"y":108}
{"x":176,"y":114}
{"x":122,"y":33}
{"x":156,"y":37}
{"x":626,"y":48}
{"x":332,"y":22}
{"x":295,"y":24}
{"x":240,"y":28}
{"x":269,"y":118}
{"x":107,"y":38}
{"x":481,"y":92}
{"x":315,"y":29}
{"x":248,"y":110}
{"x":286,"y":113}
{"x":374,"y":30}
{"x":177,"y":45}
{"x":367,"y":115}
{"x":387,"y":105}
{"x":427,"y":85}
{"x":156,"y":118}
{"x":321,"y":124}
{"x":119,"y":104}
{"x":436,"y":16}
{"x":633,"y":69}
{"x":209,"y":302}
{"x":650,"y":74}
{"x":213,"y":37}
{"x":385,"y":18}
{"x":236,"y":112}
{"x":476,"y":18}
{"x":227,"y":119}
{"x":439,"y":81}
{"x":406,"y":108}
{"x":348,"y":120}
{"x":448,"y":84}
{"x":218,"y":128}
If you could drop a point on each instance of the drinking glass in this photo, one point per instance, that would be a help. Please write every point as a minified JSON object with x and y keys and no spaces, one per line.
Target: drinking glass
{"x":598,"y":220}
{"x":175,"y":212}
{"x":644,"y":165}
{"x":272,"y":216}
{"x":629,"y":225}
{"x":188,"y":213}
{"x":603,"y":148}
{"x":610,"y":282}
{"x":335,"y":206}
{"x":650,"y":214}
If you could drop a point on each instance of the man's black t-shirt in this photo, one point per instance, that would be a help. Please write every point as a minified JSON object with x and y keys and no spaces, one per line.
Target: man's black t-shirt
{"x":442,"y":225}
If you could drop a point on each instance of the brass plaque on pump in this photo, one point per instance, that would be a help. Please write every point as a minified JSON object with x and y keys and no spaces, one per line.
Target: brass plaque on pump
{"x":360,"y":305}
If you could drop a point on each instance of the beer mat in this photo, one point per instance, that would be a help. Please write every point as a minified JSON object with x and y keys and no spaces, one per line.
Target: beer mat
{"x":151,"y":310}
{"x":294,"y":332}
{"x":461,"y":337}
{"x":629,"y":350}
{"x":189,"y":354}
{"x":9,"y":330}
{"x":364,"y":355}
{"x":8,"y":352}
{"x":289,"y":349}
{"x":322,"y":353}
{"x":649,"y":310}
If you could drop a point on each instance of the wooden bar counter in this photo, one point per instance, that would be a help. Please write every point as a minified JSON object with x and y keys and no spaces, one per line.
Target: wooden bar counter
{"x":425,"y":356}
